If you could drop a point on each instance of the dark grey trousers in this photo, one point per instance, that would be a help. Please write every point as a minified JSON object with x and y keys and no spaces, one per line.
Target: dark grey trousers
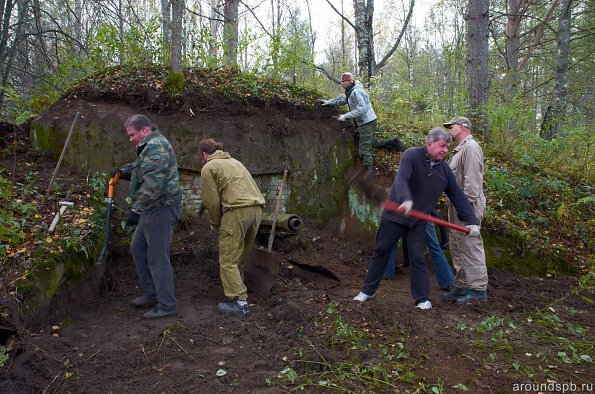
{"x":387,"y":237}
{"x":151,"y":245}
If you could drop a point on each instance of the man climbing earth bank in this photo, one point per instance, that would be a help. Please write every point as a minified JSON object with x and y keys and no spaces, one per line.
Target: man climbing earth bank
{"x":362,"y":113}
{"x":235,"y":205}
{"x":421,"y":178}
{"x":468,"y":256}
{"x":156,"y":206}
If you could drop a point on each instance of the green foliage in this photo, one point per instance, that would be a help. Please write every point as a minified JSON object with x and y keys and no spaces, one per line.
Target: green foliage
{"x":547,"y":212}
{"x":134,"y":46}
{"x":4,"y":350}
{"x":198,"y":51}
{"x":17,"y":107}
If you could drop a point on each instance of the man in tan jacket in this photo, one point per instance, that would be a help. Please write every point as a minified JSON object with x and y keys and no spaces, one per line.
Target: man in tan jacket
{"x":235,"y":205}
{"x":467,"y":253}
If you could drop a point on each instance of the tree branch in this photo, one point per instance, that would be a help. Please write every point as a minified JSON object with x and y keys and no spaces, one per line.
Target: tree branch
{"x":384,"y":60}
{"x":323,"y":71}
{"x":341,"y":15}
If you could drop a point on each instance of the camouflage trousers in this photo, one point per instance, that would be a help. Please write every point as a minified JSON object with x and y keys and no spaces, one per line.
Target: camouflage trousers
{"x":366,"y":142}
{"x":236,"y":236}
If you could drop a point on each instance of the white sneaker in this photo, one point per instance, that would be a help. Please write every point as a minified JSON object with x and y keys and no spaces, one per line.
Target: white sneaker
{"x":361,"y":297}
{"x":424,"y":305}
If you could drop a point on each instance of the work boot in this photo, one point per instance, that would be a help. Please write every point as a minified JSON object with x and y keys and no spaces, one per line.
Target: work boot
{"x":158,"y":312}
{"x":455,"y":293}
{"x":143,"y":301}
{"x":473,"y":295}
{"x":234,"y":307}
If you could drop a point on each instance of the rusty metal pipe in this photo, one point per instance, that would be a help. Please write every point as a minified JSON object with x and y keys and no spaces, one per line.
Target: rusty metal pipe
{"x":287,"y":221}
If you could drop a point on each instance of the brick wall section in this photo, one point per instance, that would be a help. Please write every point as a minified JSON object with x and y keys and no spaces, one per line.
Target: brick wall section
{"x":269,"y":186}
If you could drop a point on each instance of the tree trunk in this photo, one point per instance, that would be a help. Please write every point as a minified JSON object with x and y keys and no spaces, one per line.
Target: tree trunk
{"x":214,"y":24}
{"x":166,"y":26}
{"x":177,"y":14}
{"x":513,"y":40}
{"x":7,"y":53}
{"x":78,"y":25}
{"x":364,"y":33}
{"x":230,"y":32}
{"x":477,"y":63}
{"x":556,"y":113}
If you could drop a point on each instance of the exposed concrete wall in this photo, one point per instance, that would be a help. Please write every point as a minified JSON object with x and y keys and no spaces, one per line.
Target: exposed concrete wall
{"x":310,"y":144}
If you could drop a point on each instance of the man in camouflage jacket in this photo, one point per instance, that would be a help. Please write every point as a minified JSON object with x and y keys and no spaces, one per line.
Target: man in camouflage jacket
{"x":156,"y":206}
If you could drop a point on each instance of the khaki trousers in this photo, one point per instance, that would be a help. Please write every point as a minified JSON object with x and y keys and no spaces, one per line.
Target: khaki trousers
{"x":468,"y":257}
{"x":236,"y":236}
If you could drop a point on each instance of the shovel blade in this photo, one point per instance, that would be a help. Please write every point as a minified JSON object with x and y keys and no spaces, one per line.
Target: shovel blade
{"x":261,"y":271}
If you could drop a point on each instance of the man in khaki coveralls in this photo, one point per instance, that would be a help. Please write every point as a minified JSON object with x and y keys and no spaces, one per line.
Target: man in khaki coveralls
{"x":235,"y":205}
{"x":467,"y":253}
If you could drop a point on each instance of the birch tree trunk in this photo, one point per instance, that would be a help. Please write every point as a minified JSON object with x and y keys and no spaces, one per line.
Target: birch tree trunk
{"x":364,"y":34}
{"x":477,"y":64}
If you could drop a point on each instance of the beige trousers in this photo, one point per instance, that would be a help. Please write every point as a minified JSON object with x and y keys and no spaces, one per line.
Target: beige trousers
{"x":468,"y":257}
{"x":236,"y":236}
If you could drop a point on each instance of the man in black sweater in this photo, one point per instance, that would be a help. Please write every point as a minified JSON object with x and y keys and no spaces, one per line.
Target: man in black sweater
{"x":420,"y":180}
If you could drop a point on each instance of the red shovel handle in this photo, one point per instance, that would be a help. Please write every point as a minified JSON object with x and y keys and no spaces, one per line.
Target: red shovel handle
{"x":394,"y":207}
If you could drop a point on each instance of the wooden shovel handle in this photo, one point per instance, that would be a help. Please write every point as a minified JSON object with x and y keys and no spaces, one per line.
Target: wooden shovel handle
{"x":394,"y":207}
{"x":276,"y":215}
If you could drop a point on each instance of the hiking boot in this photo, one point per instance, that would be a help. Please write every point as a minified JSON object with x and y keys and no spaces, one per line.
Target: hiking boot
{"x":234,"y":307}
{"x":473,"y":295}
{"x":143,"y":301}
{"x":455,"y":293}
{"x":361,"y":297}
{"x":158,"y":312}
{"x":424,"y":305}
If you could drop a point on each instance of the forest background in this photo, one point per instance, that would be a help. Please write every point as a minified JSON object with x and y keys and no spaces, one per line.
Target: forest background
{"x":522,"y":70}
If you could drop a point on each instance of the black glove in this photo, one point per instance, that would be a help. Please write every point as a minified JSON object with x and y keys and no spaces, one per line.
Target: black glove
{"x":132,"y":219}
{"x":123,"y":176}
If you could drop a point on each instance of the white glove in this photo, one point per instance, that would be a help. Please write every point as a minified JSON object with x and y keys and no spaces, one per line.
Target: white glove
{"x":324,"y":102}
{"x":406,"y":207}
{"x":341,"y":118}
{"x":473,"y":230}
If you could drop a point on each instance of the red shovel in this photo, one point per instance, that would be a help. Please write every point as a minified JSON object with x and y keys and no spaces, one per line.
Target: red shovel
{"x":394,"y":207}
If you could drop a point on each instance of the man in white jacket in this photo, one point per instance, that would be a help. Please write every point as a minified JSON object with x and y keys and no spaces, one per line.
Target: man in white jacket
{"x":467,"y":253}
{"x":362,"y":113}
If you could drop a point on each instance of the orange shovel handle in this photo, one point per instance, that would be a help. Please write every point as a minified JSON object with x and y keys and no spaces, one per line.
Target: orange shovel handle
{"x":394,"y":207}
{"x":112,"y":184}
